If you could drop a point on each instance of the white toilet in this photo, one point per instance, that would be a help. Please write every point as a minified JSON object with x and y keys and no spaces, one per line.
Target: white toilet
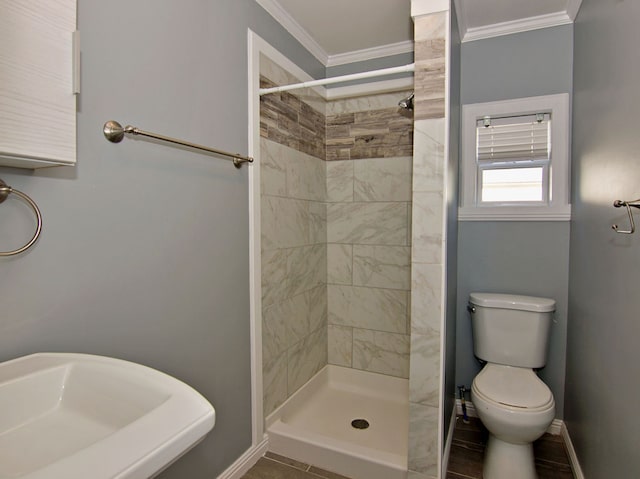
{"x":511,"y":333}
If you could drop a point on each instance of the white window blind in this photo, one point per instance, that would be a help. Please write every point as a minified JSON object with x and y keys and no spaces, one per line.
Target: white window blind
{"x":514,"y":162}
{"x":513,"y":139}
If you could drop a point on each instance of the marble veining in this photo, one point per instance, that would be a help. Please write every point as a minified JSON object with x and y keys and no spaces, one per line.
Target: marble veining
{"x":274,"y":378}
{"x":382,"y":179}
{"x":428,"y":161}
{"x":381,"y":352}
{"x":274,"y":276}
{"x":309,"y":356}
{"x":284,"y":222}
{"x":424,"y":387}
{"x":427,"y":224}
{"x":340,"y":181}
{"x":340,"y":346}
{"x":340,"y":263}
{"x":368,"y":308}
{"x":382,"y":266}
{"x":367,"y":223}
{"x":423,"y":439}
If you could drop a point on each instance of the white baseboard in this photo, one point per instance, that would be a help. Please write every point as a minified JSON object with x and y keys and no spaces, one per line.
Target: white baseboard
{"x":447,"y":444}
{"x":571,"y":452}
{"x":246,"y":461}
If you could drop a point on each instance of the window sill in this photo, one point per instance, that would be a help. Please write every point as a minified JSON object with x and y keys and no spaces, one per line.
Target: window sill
{"x":515,"y":213}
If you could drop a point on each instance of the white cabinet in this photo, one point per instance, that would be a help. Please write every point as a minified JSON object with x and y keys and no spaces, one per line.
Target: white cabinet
{"x":37,"y":101}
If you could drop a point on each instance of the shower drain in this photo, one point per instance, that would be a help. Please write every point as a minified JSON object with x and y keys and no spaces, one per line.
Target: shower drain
{"x":360,"y":423}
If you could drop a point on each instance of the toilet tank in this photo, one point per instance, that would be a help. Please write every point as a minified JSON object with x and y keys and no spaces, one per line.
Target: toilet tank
{"x":511,"y":329}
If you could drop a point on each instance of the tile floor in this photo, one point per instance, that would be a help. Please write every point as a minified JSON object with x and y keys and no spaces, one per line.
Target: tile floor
{"x":465,"y":460}
{"x":273,"y":466}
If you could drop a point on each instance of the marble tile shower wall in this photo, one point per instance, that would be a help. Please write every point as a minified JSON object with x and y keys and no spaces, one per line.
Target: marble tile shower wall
{"x":368,"y":234}
{"x":369,"y":263}
{"x":341,"y":222}
{"x":294,"y":270}
{"x":428,"y":246}
{"x":294,"y":250}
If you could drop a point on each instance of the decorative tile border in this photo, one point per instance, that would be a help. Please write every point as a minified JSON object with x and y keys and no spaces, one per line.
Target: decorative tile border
{"x":368,"y":127}
{"x":381,"y":133}
{"x":287,"y":120}
{"x":429,"y":76}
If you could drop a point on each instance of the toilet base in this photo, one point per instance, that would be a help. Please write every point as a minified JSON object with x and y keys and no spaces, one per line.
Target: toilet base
{"x":504,"y":460}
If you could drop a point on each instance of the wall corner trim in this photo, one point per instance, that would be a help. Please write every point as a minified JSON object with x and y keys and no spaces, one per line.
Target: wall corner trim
{"x":246,"y":461}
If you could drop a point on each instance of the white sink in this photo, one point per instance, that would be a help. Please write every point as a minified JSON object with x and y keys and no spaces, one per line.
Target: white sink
{"x":78,"y":416}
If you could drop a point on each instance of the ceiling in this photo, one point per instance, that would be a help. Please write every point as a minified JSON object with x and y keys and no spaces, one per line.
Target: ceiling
{"x":344,"y":31}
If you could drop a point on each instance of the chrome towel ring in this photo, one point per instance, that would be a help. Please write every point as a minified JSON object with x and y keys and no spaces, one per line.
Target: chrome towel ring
{"x":5,"y":190}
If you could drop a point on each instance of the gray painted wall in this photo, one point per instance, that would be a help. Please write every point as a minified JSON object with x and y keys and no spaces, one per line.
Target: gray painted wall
{"x":602,"y":371}
{"x":144,"y":251}
{"x":519,"y":65}
{"x":516,"y":257}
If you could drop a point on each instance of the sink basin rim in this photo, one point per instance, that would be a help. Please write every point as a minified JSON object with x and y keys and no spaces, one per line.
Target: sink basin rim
{"x":143,"y":446}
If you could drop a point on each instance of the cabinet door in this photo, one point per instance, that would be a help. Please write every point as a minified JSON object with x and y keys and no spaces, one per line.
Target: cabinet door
{"x":37,"y":103}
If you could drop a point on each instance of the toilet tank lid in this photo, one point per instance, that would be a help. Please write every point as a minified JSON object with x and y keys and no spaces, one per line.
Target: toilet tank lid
{"x":512,"y":301}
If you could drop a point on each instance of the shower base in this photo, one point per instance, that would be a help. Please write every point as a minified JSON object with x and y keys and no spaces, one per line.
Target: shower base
{"x":314,"y":425}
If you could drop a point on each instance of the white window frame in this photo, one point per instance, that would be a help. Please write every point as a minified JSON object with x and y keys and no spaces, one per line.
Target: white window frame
{"x":558,"y":208}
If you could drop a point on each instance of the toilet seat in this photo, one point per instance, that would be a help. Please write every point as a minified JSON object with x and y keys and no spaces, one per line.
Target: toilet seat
{"x":514,"y":388}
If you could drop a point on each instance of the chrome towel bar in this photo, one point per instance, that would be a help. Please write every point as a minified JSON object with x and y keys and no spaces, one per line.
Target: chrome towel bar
{"x":628,"y":205}
{"x":5,"y":190}
{"x":114,"y":132}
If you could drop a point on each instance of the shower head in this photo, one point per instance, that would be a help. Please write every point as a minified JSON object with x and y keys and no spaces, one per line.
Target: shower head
{"x":406,"y":103}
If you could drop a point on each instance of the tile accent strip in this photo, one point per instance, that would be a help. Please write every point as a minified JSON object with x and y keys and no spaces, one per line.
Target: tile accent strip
{"x":429,"y":77}
{"x":381,"y":133}
{"x":287,"y":120}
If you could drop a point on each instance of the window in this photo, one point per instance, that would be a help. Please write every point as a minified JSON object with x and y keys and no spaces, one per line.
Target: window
{"x":515,"y":160}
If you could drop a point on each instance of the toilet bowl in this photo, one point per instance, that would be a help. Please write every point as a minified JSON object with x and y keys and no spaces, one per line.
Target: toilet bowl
{"x":516,"y":407}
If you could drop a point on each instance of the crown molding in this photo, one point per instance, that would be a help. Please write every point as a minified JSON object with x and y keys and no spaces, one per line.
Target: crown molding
{"x":274,"y":9}
{"x":370,"y":53}
{"x":516,"y":26}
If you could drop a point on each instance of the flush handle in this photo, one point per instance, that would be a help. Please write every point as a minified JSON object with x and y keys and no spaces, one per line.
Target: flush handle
{"x":471,"y":309}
